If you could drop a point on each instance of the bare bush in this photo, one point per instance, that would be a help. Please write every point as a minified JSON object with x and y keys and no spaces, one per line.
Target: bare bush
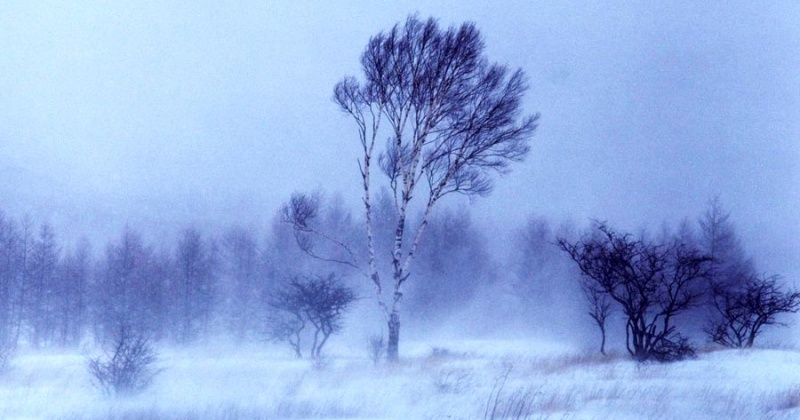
{"x":651,"y":283}
{"x":440,"y":353}
{"x":453,"y":380}
{"x":674,"y":348}
{"x":127,"y":364}
{"x":319,"y":301}
{"x":741,"y":311}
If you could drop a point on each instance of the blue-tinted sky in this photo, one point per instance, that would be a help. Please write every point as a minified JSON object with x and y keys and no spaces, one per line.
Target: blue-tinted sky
{"x":162,"y":113}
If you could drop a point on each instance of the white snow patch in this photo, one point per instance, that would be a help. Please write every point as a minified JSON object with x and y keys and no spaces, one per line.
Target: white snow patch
{"x":435,"y":380}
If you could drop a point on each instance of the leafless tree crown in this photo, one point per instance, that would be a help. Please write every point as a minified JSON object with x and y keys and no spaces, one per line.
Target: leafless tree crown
{"x":651,"y":284}
{"x":319,"y":301}
{"x":452,"y":115}
{"x":741,"y":311}
{"x":127,"y":365}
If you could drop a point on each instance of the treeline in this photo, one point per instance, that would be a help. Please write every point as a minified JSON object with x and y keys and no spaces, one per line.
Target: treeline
{"x":53,"y":295}
{"x":210,"y":284}
{"x":199,"y":284}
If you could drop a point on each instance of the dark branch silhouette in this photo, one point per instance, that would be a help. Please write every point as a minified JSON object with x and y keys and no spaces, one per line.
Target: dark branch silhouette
{"x":319,"y":301}
{"x":452,"y":119}
{"x":741,"y":311}
{"x":651,"y":283}
{"x":301,"y":212}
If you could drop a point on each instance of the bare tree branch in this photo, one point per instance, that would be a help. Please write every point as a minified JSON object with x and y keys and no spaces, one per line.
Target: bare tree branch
{"x":651,"y":283}
{"x":320,"y":301}
{"x":452,"y":119}
{"x":743,"y":310}
{"x":300,"y":212}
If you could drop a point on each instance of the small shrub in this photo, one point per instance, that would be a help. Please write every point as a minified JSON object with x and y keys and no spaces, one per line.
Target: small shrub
{"x":317,"y":301}
{"x":440,"y":353}
{"x":443,"y":353}
{"x":673,"y":350}
{"x":453,"y":381}
{"x":127,"y":364}
{"x":742,"y":311}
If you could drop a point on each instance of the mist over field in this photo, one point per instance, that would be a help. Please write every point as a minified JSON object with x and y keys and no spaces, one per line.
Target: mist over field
{"x":579,"y":231}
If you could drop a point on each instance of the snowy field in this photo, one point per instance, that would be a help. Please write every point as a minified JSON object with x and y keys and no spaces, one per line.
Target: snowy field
{"x":467,"y":380}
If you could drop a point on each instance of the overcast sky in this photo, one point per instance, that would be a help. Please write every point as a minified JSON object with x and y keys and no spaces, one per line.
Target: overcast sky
{"x":168,"y":112}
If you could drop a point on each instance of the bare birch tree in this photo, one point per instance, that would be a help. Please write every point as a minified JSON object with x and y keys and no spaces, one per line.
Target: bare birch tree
{"x":452,"y":118}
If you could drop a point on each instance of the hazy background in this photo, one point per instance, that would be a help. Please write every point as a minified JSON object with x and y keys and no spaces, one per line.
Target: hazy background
{"x":158,"y":114}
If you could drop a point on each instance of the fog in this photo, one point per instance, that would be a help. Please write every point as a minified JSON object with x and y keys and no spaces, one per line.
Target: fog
{"x":155,"y":142}
{"x":160,"y":115}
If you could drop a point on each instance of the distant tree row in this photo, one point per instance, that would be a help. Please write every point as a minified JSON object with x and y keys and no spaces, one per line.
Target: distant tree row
{"x":200,"y":285}
{"x":43,"y":290}
{"x":693,"y":282}
{"x":51,"y":296}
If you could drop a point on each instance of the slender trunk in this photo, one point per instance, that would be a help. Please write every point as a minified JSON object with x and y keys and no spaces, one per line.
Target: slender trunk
{"x":65,"y":324}
{"x":751,"y":337}
{"x":365,"y":167}
{"x":628,"y":337}
{"x":325,"y":335}
{"x":296,"y":347}
{"x":314,"y":344}
{"x":23,"y":282}
{"x":78,"y":327}
{"x":392,"y":350}
{"x":603,"y":339}
{"x":398,"y":276}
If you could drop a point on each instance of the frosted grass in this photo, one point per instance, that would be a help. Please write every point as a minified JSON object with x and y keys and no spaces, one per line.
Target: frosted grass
{"x":454,"y":382}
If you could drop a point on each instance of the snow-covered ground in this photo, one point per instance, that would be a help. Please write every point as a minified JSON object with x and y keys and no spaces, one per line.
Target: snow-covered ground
{"x":459,"y":380}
